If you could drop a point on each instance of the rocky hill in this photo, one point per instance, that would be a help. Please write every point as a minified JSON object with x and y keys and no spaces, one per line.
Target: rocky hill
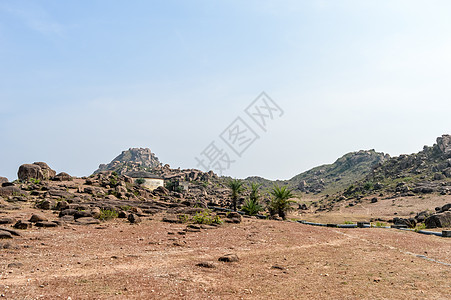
{"x":417,"y":174}
{"x":331,"y":177}
{"x":424,"y":172}
{"x":133,"y":159}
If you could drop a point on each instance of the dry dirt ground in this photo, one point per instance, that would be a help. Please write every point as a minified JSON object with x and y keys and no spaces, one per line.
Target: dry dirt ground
{"x":278,"y":260}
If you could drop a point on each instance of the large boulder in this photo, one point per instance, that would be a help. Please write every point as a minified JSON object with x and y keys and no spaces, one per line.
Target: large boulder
{"x":37,"y":170}
{"x":28,"y":171}
{"x":46,"y":170}
{"x":439,"y":220}
{"x":3,"y":179}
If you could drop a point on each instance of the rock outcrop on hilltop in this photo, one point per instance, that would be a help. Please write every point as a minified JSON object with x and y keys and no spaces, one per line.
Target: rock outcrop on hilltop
{"x":132,"y":160}
{"x":37,"y":170}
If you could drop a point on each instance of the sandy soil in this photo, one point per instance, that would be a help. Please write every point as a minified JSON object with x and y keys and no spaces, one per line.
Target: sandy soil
{"x":278,"y":260}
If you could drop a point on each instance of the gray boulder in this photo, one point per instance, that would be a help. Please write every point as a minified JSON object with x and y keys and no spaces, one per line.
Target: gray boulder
{"x":439,"y":220}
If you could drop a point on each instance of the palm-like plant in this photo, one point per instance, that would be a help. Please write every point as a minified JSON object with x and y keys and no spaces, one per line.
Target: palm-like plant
{"x":237,"y":188}
{"x":252,"y":205}
{"x":280,"y":202}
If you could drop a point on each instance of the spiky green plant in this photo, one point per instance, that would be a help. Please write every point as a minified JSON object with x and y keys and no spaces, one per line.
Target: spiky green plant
{"x":236,"y":187}
{"x":252,"y":205}
{"x":281,"y":202}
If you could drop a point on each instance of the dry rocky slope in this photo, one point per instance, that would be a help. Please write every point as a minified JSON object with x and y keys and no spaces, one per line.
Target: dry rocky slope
{"x":427,"y":172}
{"x":331,"y":177}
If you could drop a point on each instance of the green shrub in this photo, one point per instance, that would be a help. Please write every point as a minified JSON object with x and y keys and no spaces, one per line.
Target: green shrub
{"x":420,"y":226}
{"x":379,"y":225}
{"x":206,"y":218}
{"x":183,"y":218}
{"x":34,"y":180}
{"x":140,"y":181}
{"x":108,"y":214}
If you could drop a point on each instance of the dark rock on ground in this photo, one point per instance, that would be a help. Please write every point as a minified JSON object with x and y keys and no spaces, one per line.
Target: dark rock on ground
{"x":206,"y":264}
{"x":411,"y":223}
{"x":82,"y":214}
{"x":67,"y":218}
{"x":6,"y":221}
{"x":439,"y":220}
{"x":37,"y":218}
{"x":46,"y":224}
{"x":69,"y":211}
{"x":23,"y":224}
{"x":5,"y":235}
{"x":12,"y":231}
{"x":229,"y":258}
{"x":134,"y":219}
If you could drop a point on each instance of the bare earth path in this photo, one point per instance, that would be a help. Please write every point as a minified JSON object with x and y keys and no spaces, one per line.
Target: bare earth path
{"x":278,"y":260}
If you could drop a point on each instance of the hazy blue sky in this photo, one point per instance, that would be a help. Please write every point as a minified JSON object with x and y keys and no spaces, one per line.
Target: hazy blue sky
{"x":80,"y":81}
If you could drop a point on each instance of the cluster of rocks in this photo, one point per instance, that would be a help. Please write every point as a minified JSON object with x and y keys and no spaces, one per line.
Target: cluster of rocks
{"x":426,"y":167}
{"x":132,"y":160}
{"x":86,"y":200}
{"x":441,"y":218}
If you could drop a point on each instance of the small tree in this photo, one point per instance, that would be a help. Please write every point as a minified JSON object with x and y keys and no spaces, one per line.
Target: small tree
{"x":237,"y":188}
{"x":280,"y":202}
{"x":252,"y":205}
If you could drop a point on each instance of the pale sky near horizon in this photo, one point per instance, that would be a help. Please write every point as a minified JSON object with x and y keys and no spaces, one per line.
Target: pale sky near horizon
{"x":81,"y":81}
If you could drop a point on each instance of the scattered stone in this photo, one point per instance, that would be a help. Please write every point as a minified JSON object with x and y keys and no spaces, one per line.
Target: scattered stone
{"x":96,"y":212}
{"x":67,"y":218}
{"x":69,"y":211}
{"x":46,"y":204}
{"x":38,"y":218}
{"x":134,"y":219}
{"x":374,"y":200}
{"x":6,"y":221}
{"x":277,"y":267}
{"x":229,"y":258}
{"x":15,"y":265}
{"x":87,"y":221}
{"x":5,"y":235}
{"x":122,"y":214}
{"x":13,"y":232}
{"x":23,"y":224}
{"x":206,"y":264}
{"x":82,"y":214}
{"x":62,"y":177}
{"x":46,"y":224}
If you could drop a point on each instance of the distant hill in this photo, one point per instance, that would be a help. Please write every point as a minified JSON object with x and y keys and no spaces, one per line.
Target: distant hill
{"x":133,"y":159}
{"x":424,"y":172}
{"x":331,"y":177}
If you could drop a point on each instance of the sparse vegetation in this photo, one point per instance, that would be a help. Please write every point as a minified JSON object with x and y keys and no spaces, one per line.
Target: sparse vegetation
{"x":252,"y":205}
{"x":140,"y":181}
{"x":205,"y":217}
{"x":237,"y":188}
{"x":280,"y":203}
{"x":107,"y":214}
